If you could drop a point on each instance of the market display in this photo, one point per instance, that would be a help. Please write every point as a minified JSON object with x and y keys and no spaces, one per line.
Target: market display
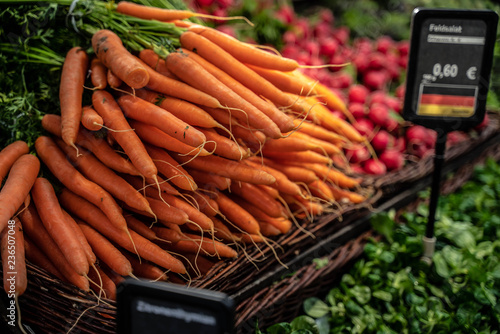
{"x":176,"y":151}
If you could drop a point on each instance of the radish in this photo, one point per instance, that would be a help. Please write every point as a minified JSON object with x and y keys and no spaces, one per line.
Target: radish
{"x":374,"y":167}
{"x":342,"y":34}
{"x":392,"y":124}
{"x":357,"y":110}
{"x":392,"y":159}
{"x":205,"y":3}
{"x":358,"y":93}
{"x":375,"y":79}
{"x":378,"y":114}
{"x":400,"y":144}
{"x":328,"y":46}
{"x":416,"y":135}
{"x":377,"y":61}
{"x":382,"y":140}
{"x":364,"y":127}
{"x":357,"y":154}
{"x":384,"y":44}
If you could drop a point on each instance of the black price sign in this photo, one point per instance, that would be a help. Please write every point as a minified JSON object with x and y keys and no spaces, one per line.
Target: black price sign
{"x":449,"y":67}
{"x":152,"y":308}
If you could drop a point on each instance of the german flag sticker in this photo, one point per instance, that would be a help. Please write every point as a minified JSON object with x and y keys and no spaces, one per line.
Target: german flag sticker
{"x":447,"y":100}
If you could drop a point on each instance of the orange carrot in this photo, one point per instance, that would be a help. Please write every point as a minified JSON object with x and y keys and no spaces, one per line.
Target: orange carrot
{"x":285,"y":81}
{"x":237,"y":215}
{"x":108,"y":287}
{"x":281,"y":119}
{"x":113,"y":80}
{"x":334,"y":175}
{"x":91,"y":258}
{"x":152,"y":135}
{"x":201,"y":263}
{"x":139,"y":184}
{"x":320,"y":189}
{"x":345,"y":194}
{"x":166,"y":234}
{"x":103,"y":176}
{"x":109,"y":48}
{"x":153,"y":60}
{"x":245,"y":53}
{"x":71,"y":85}
{"x":9,"y":154}
{"x":318,"y":131}
{"x":140,"y":227}
{"x":283,"y":184}
{"x":259,"y":198}
{"x":222,"y":231}
{"x":146,"y":270}
{"x":149,"y":113}
{"x":57,"y":226}
{"x":322,"y":146}
{"x":92,"y":215}
{"x":293,"y":172}
{"x":106,"y":251}
{"x":170,"y":169}
{"x":98,"y":146}
{"x":226,"y":62}
{"x":235,"y":170}
{"x":37,"y":257}
{"x":205,"y":204}
{"x":195,"y":75}
{"x":287,"y":144}
{"x":299,"y":156}
{"x":184,"y":110}
{"x":192,"y":243}
{"x":168,"y":213}
{"x":163,"y":14}
{"x":268,"y":230}
{"x":98,"y":73}
{"x":18,"y":184}
{"x":34,"y":230}
{"x":55,"y":159}
{"x":113,"y":117}
{"x":223,"y":146}
{"x":207,"y":180}
{"x":15,"y":279}
{"x":91,"y":119}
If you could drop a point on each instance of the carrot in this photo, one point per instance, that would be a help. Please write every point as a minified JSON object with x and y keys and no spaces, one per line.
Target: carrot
{"x":305,"y":206}
{"x":191,"y":243}
{"x":259,"y":198}
{"x":195,"y":216}
{"x":100,"y":174}
{"x":37,"y":257}
{"x":168,"y":213}
{"x":223,"y":146}
{"x":345,"y":194}
{"x":295,"y":173}
{"x":113,"y":117}
{"x":141,"y":184}
{"x":153,"y":60}
{"x":71,"y":86}
{"x":146,"y":270}
{"x":195,"y":75}
{"x":238,"y":216}
{"x":9,"y":154}
{"x":248,"y":238}
{"x":268,"y":230}
{"x":235,"y":170}
{"x":98,"y":73}
{"x":283,"y":224}
{"x":108,"y":287}
{"x":117,"y":279}
{"x":284,"y":80}
{"x":322,"y":146}
{"x":222,"y":231}
{"x":91,"y":119}
{"x":320,"y":189}
{"x":93,"y":216}
{"x":334,"y":175}
{"x":149,"y":113}
{"x":244,"y":52}
{"x":106,"y":251}
{"x":55,"y":159}
{"x":205,"y":204}
{"x":329,"y":97}
{"x":163,"y":14}
{"x":113,"y":80}
{"x":152,"y":135}
{"x":226,"y":62}
{"x":283,"y":184}
{"x":207,"y":180}
{"x":287,"y":144}
{"x":15,"y":279}
{"x":98,"y":146}
{"x":318,"y":132}
{"x":299,"y":156}
{"x":34,"y":230}
{"x":166,"y":234}
{"x":176,"y":88}
{"x":281,"y":119}
{"x":91,"y":258}
{"x":184,"y":110}
{"x":201,"y":263}
{"x":18,"y":184}
{"x":170,"y":169}
{"x":140,"y":227}
{"x":57,"y":226}
{"x":109,"y":48}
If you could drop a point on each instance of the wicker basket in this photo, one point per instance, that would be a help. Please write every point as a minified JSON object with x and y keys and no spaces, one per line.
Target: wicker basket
{"x":51,"y":306}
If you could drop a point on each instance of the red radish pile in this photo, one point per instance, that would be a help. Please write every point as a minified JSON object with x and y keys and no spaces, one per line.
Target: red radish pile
{"x":367,"y":77}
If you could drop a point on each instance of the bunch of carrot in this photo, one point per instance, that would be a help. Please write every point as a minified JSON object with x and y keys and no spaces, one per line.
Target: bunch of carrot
{"x":178,"y":161}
